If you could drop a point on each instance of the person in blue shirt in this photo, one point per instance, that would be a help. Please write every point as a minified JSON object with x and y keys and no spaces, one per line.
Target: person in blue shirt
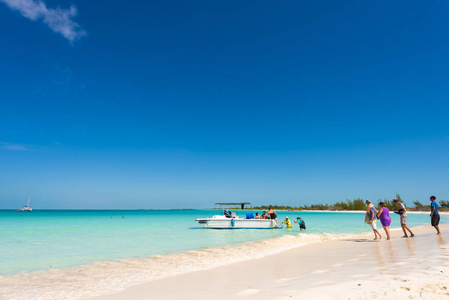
{"x":434,"y":215}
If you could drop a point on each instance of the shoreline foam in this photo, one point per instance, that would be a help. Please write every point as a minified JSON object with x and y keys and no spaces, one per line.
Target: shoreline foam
{"x":349,"y":268}
{"x":112,"y":276}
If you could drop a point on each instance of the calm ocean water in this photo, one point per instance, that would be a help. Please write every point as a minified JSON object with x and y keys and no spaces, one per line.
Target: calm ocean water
{"x":49,"y":239}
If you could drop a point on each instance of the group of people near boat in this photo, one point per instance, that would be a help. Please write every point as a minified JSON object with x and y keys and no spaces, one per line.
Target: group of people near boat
{"x":299,"y":221}
{"x":263,"y":216}
{"x":383,"y":214}
{"x":273,"y":216}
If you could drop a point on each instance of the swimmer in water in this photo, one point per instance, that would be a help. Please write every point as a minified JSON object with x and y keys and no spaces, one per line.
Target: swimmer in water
{"x":302,"y":224}
{"x":287,"y":222}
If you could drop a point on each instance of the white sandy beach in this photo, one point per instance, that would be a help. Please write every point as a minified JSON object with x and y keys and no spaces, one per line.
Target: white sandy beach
{"x":351,"y":268}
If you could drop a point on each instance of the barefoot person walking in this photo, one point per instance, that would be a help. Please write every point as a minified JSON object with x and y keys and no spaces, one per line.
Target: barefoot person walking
{"x":403,"y":214}
{"x":434,"y":214}
{"x":384,"y":217}
{"x":372,"y":217}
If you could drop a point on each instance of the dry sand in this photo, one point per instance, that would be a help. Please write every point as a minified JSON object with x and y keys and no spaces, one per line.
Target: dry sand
{"x":413,"y":268}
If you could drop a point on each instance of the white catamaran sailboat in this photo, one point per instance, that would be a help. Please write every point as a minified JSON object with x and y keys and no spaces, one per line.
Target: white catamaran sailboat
{"x":230,"y":220}
{"x":27,"y":206}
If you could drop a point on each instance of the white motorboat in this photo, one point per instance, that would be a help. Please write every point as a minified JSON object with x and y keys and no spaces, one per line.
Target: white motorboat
{"x":230,"y":220}
{"x":27,"y":206}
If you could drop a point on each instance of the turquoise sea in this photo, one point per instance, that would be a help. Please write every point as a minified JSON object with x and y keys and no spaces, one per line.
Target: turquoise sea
{"x":54,"y":239}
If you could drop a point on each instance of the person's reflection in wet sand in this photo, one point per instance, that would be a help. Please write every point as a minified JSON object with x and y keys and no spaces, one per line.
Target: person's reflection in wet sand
{"x":411,"y":247}
{"x":394,"y":253}
{"x":386,"y":254}
{"x":381,"y":258}
{"x":442,"y":242}
{"x":444,"y":249}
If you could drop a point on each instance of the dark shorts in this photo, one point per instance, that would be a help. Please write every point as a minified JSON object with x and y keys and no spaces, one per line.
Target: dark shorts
{"x":435,"y":220}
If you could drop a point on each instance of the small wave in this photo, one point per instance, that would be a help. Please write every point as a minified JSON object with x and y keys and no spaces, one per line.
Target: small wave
{"x":112,"y":276}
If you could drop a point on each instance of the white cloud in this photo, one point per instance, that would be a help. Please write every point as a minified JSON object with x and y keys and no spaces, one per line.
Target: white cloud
{"x":14,"y":147}
{"x":59,"y":20}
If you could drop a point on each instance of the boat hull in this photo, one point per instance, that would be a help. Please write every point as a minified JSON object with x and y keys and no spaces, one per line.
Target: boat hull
{"x":26,"y":209}
{"x":236,"y":223}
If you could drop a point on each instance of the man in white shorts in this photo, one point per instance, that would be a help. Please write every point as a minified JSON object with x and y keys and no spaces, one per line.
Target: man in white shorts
{"x":371,"y":218}
{"x":403,"y":215}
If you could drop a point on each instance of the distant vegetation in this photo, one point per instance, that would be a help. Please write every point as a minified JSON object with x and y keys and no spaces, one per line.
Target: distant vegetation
{"x":444,"y":206}
{"x":356,"y":204}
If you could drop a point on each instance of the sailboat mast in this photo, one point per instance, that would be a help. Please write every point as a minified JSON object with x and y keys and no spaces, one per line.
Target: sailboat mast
{"x":28,"y":202}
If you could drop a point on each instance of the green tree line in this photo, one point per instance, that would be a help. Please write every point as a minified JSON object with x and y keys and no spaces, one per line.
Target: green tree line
{"x":444,"y":205}
{"x":356,"y":204}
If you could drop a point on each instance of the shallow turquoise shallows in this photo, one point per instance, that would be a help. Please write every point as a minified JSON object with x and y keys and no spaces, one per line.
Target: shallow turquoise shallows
{"x":45,"y":239}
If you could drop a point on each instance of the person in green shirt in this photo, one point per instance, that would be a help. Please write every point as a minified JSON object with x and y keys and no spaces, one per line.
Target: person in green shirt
{"x":302,"y":224}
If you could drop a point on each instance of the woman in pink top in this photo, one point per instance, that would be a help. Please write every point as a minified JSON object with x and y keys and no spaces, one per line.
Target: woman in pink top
{"x":384,"y":217}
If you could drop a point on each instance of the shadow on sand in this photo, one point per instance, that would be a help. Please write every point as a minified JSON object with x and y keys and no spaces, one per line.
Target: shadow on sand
{"x":360,"y":240}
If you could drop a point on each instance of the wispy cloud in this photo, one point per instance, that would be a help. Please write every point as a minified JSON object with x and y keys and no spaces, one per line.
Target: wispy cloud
{"x":59,"y":20}
{"x":14,"y":147}
{"x":30,"y":147}
{"x":57,"y":144}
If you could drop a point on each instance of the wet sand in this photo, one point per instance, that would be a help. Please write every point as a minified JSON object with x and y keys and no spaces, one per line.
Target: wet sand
{"x":354,"y":268}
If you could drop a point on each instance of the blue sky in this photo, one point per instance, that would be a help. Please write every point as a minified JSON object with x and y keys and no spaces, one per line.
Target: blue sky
{"x":168,"y":104}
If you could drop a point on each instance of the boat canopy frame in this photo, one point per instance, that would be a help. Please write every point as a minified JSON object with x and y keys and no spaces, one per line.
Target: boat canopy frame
{"x":233,"y":205}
